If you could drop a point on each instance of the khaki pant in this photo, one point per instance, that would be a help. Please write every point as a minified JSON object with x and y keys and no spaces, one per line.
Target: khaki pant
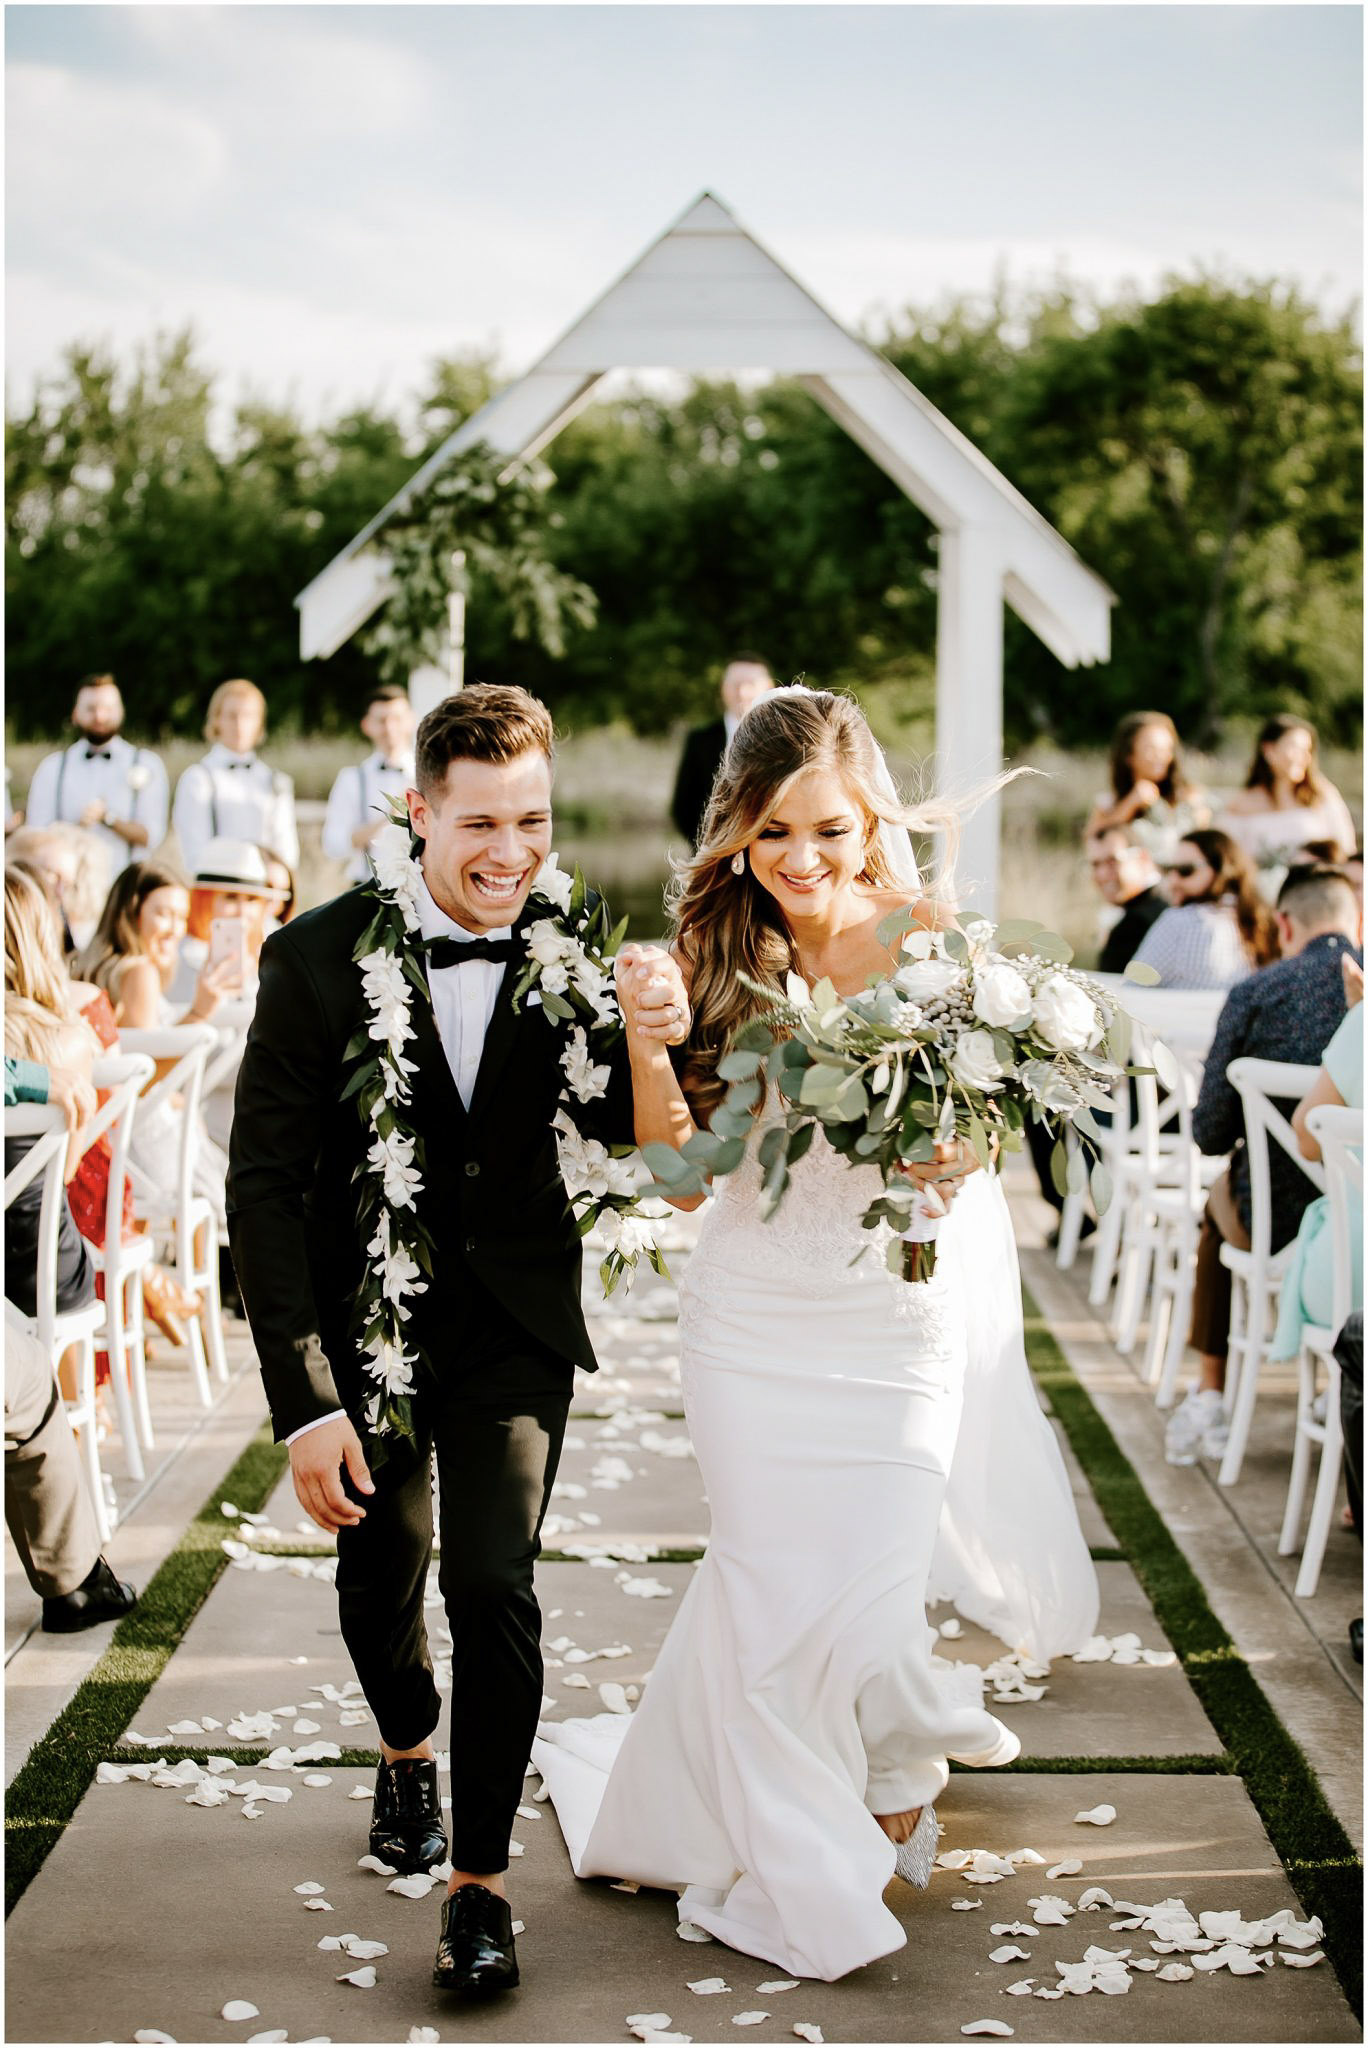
{"x":47,"y":1508}
{"x":1221,"y":1224}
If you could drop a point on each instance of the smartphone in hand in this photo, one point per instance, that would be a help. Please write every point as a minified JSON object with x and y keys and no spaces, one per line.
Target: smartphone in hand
{"x":228,"y":941}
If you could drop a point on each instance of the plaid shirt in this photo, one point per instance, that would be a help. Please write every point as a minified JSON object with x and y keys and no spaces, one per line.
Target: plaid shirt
{"x":1289,"y":1012}
{"x":1196,"y":945}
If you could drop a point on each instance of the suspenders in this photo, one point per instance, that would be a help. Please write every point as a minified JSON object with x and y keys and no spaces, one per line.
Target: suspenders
{"x":67,"y":753}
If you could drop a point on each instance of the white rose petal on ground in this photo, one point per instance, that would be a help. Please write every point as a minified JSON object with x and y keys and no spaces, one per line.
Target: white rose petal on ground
{"x":240,"y":2009}
{"x":1002,"y":1927}
{"x":515,"y":1848}
{"x":363,"y":1979}
{"x":1009,"y":1953}
{"x":218,"y":1765}
{"x":707,"y":1987}
{"x":686,"y":1929}
{"x":421,"y":2034}
{"x":1070,"y":1867}
{"x":373,"y":1863}
{"x":416,"y":1887}
{"x":185,"y":1728}
{"x":1048,"y":1991}
{"x":250,"y":1811}
{"x":748,"y":2019}
{"x":317,"y":1906}
{"x":966,"y":1905}
{"x":614,"y":1698}
{"x":529,"y":1813}
{"x":1097,"y":1816}
{"x":112,"y":1774}
{"x":654,"y":2020}
{"x":1093,"y":1899}
{"x":271,"y":2034}
{"x":777,"y":1984}
{"x":999,"y":2028}
{"x":806,"y":2031}
{"x":360,"y":1792}
{"x":310,"y":1890}
{"x":363,"y":1951}
{"x":1175,"y":1973}
{"x":1022,"y":1988}
{"x":952,"y":1628}
{"x":1297,"y":1961}
{"x":318,"y":1779}
{"x":151,"y":2034}
{"x":1050,"y":1911}
{"x":1026,"y":1856}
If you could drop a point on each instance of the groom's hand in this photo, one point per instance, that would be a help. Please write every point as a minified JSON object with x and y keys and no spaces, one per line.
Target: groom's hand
{"x":653,"y":994}
{"x":316,"y":1461}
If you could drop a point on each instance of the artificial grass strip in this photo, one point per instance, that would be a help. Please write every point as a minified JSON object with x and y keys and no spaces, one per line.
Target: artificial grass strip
{"x":57,"y":1772}
{"x":1310,"y":1842}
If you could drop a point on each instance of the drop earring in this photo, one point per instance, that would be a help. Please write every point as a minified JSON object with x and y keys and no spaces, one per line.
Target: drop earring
{"x":738,"y":864}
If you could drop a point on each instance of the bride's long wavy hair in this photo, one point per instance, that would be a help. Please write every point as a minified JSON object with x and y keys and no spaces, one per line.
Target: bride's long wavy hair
{"x":724,"y":925}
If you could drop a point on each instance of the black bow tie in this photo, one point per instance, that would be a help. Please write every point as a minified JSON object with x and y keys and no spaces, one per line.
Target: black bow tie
{"x":249,"y":763}
{"x":456,"y":952}
{"x":98,"y":754}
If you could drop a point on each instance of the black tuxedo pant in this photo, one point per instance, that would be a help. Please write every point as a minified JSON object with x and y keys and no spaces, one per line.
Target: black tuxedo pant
{"x":494,"y":1426}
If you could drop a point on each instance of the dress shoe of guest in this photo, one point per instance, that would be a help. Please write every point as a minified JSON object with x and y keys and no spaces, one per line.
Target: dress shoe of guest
{"x":99,"y":1597}
{"x":475,"y":1956}
{"x":406,"y":1817}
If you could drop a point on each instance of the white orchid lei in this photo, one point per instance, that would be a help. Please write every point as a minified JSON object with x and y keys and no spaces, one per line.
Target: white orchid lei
{"x":569,"y":974}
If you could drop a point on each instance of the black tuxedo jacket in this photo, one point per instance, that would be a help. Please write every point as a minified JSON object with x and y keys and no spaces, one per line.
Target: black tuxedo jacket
{"x":704,"y":748}
{"x":493,"y":1199}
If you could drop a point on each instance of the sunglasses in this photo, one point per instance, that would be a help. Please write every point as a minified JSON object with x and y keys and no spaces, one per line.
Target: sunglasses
{"x":1184,"y":868}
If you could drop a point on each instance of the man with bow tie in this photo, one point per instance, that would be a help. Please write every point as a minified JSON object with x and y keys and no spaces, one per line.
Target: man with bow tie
{"x":498,"y":1323}
{"x":232,"y":793}
{"x":359,"y":799}
{"x":103,"y":782}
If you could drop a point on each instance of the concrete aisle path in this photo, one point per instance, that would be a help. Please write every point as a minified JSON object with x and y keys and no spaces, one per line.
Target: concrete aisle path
{"x":153,"y":1913}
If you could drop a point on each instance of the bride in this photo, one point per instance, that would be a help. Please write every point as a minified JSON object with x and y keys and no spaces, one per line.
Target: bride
{"x":787,"y":1752}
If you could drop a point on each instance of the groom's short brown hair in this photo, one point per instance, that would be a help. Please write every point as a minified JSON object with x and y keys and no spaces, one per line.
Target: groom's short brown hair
{"x":488,"y":722}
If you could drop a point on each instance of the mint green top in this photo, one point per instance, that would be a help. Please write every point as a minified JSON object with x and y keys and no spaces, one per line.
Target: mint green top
{"x":1308,"y":1286}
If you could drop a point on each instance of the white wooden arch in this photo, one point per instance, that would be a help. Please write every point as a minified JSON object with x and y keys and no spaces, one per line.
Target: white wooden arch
{"x":707,"y":298}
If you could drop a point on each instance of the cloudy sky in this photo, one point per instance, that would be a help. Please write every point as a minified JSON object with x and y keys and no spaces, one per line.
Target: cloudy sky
{"x":334,"y":194}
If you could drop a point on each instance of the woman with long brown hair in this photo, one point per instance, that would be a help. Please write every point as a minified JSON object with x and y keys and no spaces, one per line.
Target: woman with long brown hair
{"x":1218,"y":927}
{"x":785,"y":1757}
{"x":1287,"y":801}
{"x":1150,"y":795}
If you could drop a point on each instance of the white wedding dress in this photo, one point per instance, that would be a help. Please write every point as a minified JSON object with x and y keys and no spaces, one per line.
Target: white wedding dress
{"x":865,"y":1445}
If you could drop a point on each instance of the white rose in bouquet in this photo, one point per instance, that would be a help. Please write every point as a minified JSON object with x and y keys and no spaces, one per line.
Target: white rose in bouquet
{"x":921,"y":981}
{"x":547,"y":944}
{"x":975,"y":1064}
{"x":552,"y":883}
{"x":1002,"y":996}
{"x":1065,"y":1015}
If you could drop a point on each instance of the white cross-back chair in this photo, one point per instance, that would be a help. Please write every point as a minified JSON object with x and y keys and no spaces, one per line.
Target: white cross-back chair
{"x":1176,"y":1221}
{"x":122,"y":1264}
{"x":76,"y":1328}
{"x":186,"y":1222}
{"x":1256,"y":1274}
{"x":1339,"y":1132}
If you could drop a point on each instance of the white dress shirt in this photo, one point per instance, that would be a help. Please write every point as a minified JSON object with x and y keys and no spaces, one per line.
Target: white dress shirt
{"x":234,"y":796}
{"x":463,"y":1000}
{"x":360,"y":797}
{"x":129,"y":781}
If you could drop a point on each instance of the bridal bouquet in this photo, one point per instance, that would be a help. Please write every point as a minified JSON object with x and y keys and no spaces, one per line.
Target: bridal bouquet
{"x":976,"y":1030}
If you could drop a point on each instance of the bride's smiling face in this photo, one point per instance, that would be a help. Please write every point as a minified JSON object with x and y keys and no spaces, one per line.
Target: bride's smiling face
{"x":811,"y":850}
{"x":485,"y":837}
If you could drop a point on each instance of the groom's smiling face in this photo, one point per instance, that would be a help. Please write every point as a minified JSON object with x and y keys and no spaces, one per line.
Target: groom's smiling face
{"x":485,"y":833}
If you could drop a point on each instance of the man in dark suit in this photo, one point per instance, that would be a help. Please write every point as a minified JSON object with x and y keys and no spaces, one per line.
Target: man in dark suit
{"x":498,"y":1324}
{"x":745,"y":680}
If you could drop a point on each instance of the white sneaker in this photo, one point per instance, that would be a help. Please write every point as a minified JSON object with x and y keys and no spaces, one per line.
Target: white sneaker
{"x":1196,"y":1427}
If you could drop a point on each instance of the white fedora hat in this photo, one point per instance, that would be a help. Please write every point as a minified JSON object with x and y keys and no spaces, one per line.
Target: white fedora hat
{"x":232,"y":866}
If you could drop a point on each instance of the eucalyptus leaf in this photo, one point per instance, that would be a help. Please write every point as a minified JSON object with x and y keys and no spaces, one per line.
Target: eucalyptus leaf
{"x":1101,"y":1187}
{"x":666,"y":1163}
{"x":1077,"y":1171}
{"x":740,"y":1065}
{"x":1059,"y":1167}
{"x":1142,"y":974}
{"x":799,"y":1141}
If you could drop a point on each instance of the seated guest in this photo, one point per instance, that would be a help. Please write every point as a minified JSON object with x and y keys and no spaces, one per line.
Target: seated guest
{"x":47,"y":1509}
{"x":133,"y":957}
{"x":230,"y":888}
{"x":111,"y":788}
{"x":30,"y":1079}
{"x":1150,"y":795}
{"x":358,"y":804}
{"x":1307,"y":1294}
{"x":1218,"y":928}
{"x":745,"y":680}
{"x":1288,"y":1012}
{"x":41,"y":999}
{"x":75,"y":869}
{"x":1286,"y":802}
{"x":284,"y":890}
{"x":231,"y":793}
{"x":1124,"y":874}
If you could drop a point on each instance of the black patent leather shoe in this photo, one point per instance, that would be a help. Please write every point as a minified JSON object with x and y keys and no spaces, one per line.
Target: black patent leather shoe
{"x":406,"y":1816}
{"x":99,"y":1597}
{"x":475,"y":1956}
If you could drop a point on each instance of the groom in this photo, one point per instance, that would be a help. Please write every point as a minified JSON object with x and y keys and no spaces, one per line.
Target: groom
{"x":499,"y":1322}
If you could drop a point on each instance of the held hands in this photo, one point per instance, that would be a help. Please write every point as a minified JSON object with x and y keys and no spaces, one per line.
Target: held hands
{"x":316,"y":1462}
{"x":213,"y":985}
{"x":94,"y":813}
{"x":940,"y":1179}
{"x":654,"y":999}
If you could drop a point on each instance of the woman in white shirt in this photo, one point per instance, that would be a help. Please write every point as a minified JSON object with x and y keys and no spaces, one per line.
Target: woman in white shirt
{"x":231,"y":794}
{"x":1286,"y":802}
{"x":1218,"y":928}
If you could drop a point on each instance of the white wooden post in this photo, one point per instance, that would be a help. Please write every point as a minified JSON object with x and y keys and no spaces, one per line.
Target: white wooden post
{"x":456,"y":611}
{"x":427,"y":687}
{"x":969,"y":699}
